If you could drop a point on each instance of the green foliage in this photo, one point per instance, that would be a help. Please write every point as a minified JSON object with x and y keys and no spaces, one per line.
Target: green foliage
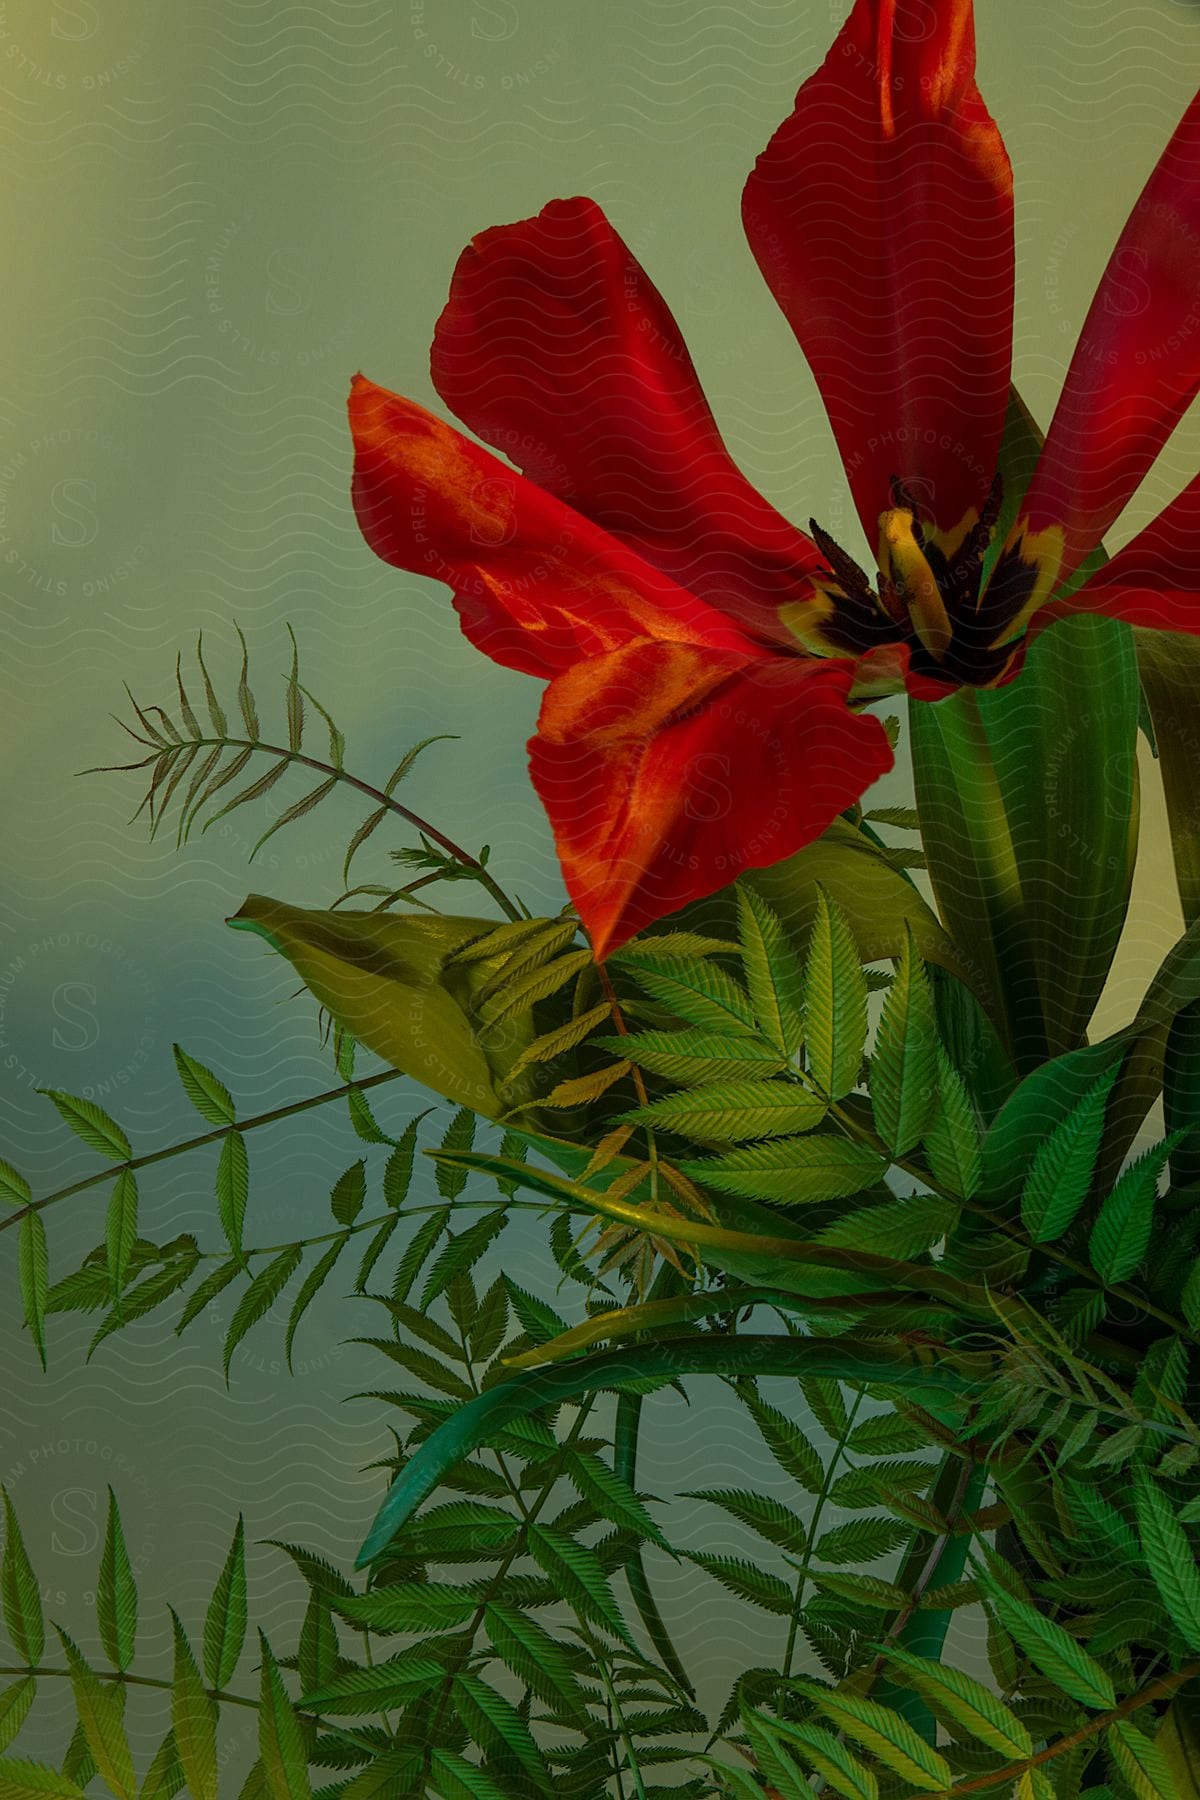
{"x":962,"y":1334}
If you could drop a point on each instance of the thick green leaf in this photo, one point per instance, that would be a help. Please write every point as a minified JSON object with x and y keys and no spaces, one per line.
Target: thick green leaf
{"x":280,"y":1740}
{"x":773,"y":972}
{"x":835,"y":1002}
{"x":1169,"y":667}
{"x":1063,"y":1165}
{"x":901,"y":1365}
{"x":225,"y":1620}
{"x":904,"y":1072}
{"x":194,"y":1721}
{"x":19,"y":1591}
{"x":1030,"y":854}
{"x":395,"y":985}
{"x":1050,"y":1092}
{"x":116,"y":1593}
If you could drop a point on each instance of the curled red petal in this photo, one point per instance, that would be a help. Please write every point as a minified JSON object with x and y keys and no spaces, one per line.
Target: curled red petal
{"x":1136,"y":368}
{"x":536,"y":585}
{"x":881,"y":216}
{"x":557,"y":349}
{"x":667,"y":770}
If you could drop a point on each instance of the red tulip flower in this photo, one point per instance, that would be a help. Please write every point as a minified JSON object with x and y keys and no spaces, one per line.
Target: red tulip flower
{"x":707,"y":661}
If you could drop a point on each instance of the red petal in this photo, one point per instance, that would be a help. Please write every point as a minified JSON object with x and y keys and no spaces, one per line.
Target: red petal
{"x":1153,"y":581}
{"x":881,"y":215}
{"x":536,"y":585}
{"x":1137,"y":365}
{"x":556,"y":348}
{"x":668,"y":770}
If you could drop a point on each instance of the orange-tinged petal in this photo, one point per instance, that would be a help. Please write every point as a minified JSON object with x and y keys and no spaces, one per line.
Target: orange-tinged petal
{"x":536,"y":585}
{"x":1136,"y":368}
{"x":1154,"y":581}
{"x":667,"y":770}
{"x":881,"y":216}
{"x":557,"y":349}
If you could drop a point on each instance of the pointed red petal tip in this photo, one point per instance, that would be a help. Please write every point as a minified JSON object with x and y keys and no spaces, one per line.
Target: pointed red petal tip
{"x":881,"y":217}
{"x":556,"y":348}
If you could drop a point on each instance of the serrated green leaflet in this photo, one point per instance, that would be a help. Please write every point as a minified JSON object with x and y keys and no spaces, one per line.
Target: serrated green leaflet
{"x":697,"y":1056}
{"x":1169,"y":1555}
{"x":886,"y":1736}
{"x":100,"y":1714}
{"x":21,"y":1780}
{"x":194,"y":1721}
{"x":965,"y":1702}
{"x":19,"y":1591}
{"x":1139,"y":1762}
{"x":835,"y":1002}
{"x":699,"y":992}
{"x":791,"y":1171}
{"x":225,"y":1620}
{"x":1062,"y":1168}
{"x":280,"y":1741}
{"x":116,"y":1593}
{"x":734,"y":1111}
{"x":210,"y":1097}
{"x":952,"y":1142}
{"x":33,"y":1275}
{"x":15,"y":1702}
{"x":773,"y":973}
{"x":1121,"y":1235}
{"x":829,"y":1758}
{"x":92,"y":1124}
{"x":258,"y":1298}
{"x":748,"y":1582}
{"x":1051,"y":1649}
{"x":903,"y":1082}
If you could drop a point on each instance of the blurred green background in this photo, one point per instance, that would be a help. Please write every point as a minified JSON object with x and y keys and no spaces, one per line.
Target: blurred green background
{"x":214,"y":212}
